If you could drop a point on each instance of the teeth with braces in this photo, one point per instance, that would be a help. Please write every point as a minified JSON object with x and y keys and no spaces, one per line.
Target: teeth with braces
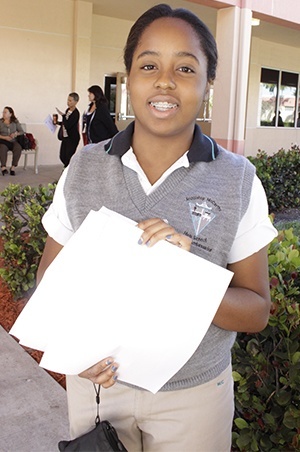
{"x":163,"y":106}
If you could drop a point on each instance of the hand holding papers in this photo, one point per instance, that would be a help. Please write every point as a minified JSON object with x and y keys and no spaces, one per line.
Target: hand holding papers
{"x":49,"y":123}
{"x":105,"y":295}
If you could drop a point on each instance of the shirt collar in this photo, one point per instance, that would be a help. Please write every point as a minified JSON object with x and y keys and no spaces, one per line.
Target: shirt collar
{"x":202,"y":149}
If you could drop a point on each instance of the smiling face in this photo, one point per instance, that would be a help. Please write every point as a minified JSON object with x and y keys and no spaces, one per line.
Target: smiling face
{"x":168,"y":79}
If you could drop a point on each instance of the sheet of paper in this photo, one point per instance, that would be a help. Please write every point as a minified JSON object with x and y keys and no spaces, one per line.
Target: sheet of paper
{"x":106,"y":295}
{"x":49,"y":123}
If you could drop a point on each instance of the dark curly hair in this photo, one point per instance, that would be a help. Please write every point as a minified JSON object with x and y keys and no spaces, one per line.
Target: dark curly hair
{"x":206,"y":39}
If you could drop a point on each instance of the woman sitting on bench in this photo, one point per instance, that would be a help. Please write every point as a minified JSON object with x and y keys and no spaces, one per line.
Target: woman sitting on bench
{"x":10,"y":128}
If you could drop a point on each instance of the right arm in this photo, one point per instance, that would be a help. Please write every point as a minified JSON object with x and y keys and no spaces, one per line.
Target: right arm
{"x":51,"y":250}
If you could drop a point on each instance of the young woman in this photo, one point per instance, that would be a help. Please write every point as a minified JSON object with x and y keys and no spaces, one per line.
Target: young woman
{"x":162,"y":166}
{"x":70,"y":128}
{"x":98,"y":125}
{"x":10,"y":128}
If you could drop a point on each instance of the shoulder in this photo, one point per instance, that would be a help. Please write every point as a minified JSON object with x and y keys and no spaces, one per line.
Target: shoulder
{"x":103,"y":109}
{"x":235,"y":165}
{"x":88,"y":158}
{"x":234,"y":159}
{"x":90,"y":167}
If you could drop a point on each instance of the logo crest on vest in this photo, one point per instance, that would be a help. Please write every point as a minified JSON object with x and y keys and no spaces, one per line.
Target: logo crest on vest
{"x":202,"y":215}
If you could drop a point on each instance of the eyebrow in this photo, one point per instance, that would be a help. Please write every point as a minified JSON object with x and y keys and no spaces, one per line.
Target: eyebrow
{"x":178,"y":54}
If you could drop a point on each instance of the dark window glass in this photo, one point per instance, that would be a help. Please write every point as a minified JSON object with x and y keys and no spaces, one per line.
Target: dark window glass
{"x":268,"y":96}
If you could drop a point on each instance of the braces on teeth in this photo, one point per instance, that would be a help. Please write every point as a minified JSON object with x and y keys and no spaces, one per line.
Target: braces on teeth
{"x":163,"y":105}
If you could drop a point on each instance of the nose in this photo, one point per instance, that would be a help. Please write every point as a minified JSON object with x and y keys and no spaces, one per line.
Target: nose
{"x":165,"y":81}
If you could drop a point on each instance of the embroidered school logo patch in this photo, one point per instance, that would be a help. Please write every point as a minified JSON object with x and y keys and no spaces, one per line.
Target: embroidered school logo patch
{"x":201,"y":214}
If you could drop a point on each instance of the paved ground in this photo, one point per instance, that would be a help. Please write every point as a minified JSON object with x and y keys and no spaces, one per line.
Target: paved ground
{"x":46,"y":174}
{"x":33,"y":406}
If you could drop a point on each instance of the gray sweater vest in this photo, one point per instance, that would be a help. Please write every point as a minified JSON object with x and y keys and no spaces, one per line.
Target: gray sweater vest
{"x":205,"y":201}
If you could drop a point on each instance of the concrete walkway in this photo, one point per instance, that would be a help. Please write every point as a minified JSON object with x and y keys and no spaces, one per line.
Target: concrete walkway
{"x":47,"y":174}
{"x":33,"y":406}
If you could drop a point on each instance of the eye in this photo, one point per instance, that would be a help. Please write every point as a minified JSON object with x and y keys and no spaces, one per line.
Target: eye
{"x":148,"y":67}
{"x":186,"y":70}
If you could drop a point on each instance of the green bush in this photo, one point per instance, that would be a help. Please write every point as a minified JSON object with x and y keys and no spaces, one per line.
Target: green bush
{"x":280,"y":176}
{"x":23,"y":235}
{"x":266,"y":366}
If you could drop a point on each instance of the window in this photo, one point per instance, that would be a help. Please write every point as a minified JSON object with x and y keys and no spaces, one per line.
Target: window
{"x":110,"y":83}
{"x":278,"y":98}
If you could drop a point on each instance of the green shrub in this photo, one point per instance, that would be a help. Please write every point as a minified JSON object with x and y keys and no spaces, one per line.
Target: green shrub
{"x":23,"y":235}
{"x":280,"y":176}
{"x":284,"y":224}
{"x":266,"y":366}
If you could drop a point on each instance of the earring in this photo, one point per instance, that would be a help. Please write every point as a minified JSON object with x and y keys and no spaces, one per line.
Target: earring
{"x":205,"y":110}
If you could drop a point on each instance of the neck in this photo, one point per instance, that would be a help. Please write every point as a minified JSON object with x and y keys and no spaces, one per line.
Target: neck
{"x":156,"y":154}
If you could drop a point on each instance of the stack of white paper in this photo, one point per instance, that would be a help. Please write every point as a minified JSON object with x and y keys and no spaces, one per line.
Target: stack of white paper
{"x":105,"y":295}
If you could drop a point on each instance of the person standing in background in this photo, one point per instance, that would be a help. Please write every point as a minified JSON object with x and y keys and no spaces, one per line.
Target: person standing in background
{"x":10,"y":128}
{"x":70,"y":129}
{"x":98,"y":125}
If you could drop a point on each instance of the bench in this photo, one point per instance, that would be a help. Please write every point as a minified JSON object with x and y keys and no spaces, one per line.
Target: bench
{"x":26,"y":152}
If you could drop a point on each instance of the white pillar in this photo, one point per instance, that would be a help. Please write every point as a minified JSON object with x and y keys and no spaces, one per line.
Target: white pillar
{"x":81,"y":58}
{"x":230,"y":88}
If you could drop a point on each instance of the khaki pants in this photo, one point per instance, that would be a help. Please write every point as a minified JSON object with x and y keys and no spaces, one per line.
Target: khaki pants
{"x":198,"y":419}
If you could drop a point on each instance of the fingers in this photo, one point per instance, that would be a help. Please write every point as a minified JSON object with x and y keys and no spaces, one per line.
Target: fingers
{"x":180,"y":240}
{"x":103,"y":373}
{"x":156,"y":229}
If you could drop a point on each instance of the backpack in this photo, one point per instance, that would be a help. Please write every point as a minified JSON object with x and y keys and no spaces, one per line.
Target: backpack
{"x":31,"y":139}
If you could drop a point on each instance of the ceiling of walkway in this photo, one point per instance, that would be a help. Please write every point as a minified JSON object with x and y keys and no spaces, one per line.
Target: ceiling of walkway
{"x":131,"y":9}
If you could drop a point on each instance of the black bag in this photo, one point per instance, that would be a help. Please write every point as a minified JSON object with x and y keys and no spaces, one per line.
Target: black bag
{"x":23,"y":141}
{"x":103,"y":438}
{"x":60,"y":133}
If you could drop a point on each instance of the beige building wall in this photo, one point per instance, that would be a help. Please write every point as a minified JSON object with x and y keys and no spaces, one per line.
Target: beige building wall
{"x":108,"y":39}
{"x":50,"y":48}
{"x":36,"y":64}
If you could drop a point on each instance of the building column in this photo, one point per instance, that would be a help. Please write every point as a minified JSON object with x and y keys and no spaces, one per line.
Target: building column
{"x":81,"y":49}
{"x":233,"y":38}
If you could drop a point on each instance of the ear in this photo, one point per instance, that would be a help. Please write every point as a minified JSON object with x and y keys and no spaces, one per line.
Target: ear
{"x":128,"y":84}
{"x":206,"y":92}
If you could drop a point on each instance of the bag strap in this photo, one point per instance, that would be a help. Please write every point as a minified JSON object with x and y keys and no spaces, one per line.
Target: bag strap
{"x":97,"y":391}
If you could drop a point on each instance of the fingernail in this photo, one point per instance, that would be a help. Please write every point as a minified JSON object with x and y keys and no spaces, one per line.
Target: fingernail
{"x":148,"y":243}
{"x":108,"y":362}
{"x":140,"y":241}
{"x":114,"y":368}
{"x":115,"y":377}
{"x":168,"y":237}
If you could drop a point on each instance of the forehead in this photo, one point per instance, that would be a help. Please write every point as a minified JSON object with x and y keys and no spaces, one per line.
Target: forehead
{"x":170,"y":32}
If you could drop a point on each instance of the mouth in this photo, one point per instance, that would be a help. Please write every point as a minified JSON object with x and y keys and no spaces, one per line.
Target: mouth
{"x":163,"y":106}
